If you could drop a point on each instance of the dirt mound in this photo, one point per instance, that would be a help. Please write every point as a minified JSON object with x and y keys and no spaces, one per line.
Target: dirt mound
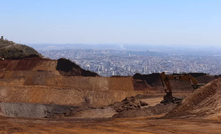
{"x":107,"y":112}
{"x":69,"y":68}
{"x":134,"y":107}
{"x":159,"y":109}
{"x":127,"y":104}
{"x":204,"y":102}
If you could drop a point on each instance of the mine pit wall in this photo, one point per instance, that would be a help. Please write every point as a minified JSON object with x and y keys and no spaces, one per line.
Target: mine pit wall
{"x":27,"y":68}
{"x":75,"y":91}
{"x":9,"y":109}
{"x":28,"y":64}
{"x":86,"y":83}
{"x":61,"y":96}
{"x":38,"y":81}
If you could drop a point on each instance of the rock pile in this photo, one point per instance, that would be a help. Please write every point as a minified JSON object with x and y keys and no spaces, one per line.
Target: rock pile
{"x":159,"y":109}
{"x":128,"y":104}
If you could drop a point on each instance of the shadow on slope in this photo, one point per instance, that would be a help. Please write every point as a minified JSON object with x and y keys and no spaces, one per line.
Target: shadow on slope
{"x":69,"y":68}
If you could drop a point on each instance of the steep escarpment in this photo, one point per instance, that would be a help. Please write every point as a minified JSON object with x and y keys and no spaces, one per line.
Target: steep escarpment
{"x":27,"y":67}
{"x":38,"y":80}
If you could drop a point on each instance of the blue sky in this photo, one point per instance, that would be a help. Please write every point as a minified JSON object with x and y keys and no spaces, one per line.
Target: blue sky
{"x":164,"y":22}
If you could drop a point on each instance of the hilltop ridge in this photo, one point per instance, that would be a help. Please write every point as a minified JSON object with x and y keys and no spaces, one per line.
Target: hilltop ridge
{"x":12,"y":50}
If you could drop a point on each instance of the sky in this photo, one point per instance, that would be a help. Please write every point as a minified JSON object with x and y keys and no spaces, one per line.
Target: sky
{"x":153,"y":22}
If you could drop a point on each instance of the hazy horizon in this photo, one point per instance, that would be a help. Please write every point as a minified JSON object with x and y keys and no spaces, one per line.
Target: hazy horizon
{"x":122,"y":22}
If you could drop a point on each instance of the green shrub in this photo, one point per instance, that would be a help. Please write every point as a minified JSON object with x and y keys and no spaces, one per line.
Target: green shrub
{"x":11,"y":50}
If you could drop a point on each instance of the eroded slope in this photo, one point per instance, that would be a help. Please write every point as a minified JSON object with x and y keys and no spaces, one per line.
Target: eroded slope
{"x":204,"y":102}
{"x":37,"y":80}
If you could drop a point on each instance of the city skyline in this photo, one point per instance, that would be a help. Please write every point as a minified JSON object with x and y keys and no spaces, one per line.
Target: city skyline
{"x":127,"y":63}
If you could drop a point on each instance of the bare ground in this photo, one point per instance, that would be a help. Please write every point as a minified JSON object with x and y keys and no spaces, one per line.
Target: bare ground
{"x":99,"y":126}
{"x":31,"y":82}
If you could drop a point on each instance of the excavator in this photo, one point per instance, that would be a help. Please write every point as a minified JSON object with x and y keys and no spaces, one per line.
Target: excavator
{"x":165,"y":81}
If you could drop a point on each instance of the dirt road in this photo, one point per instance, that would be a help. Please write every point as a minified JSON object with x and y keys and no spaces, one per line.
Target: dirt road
{"x":98,"y":126}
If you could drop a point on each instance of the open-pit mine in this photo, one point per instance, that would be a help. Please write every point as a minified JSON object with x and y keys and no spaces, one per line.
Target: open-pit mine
{"x":40,"y":95}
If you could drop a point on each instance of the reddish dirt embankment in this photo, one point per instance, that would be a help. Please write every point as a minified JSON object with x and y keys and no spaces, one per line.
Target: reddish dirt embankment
{"x":37,"y":80}
{"x":63,"y":66}
{"x":204,"y":102}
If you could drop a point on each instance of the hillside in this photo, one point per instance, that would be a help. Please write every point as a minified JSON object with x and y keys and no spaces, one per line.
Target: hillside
{"x":28,"y":81}
{"x":12,"y":50}
{"x":38,"y":80}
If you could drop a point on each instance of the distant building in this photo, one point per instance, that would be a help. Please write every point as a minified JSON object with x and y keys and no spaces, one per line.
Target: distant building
{"x":113,"y":73}
{"x":178,"y":70}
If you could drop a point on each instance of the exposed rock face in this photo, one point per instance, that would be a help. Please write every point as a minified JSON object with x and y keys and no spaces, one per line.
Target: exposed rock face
{"x":159,"y":109}
{"x":128,"y":104}
{"x":37,"y":80}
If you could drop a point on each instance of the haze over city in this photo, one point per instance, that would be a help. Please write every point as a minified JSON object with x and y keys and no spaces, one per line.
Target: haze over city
{"x":124,"y":22}
{"x":110,"y":66}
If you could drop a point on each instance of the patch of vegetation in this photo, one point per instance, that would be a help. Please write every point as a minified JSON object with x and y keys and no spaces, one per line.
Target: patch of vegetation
{"x":12,"y":50}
